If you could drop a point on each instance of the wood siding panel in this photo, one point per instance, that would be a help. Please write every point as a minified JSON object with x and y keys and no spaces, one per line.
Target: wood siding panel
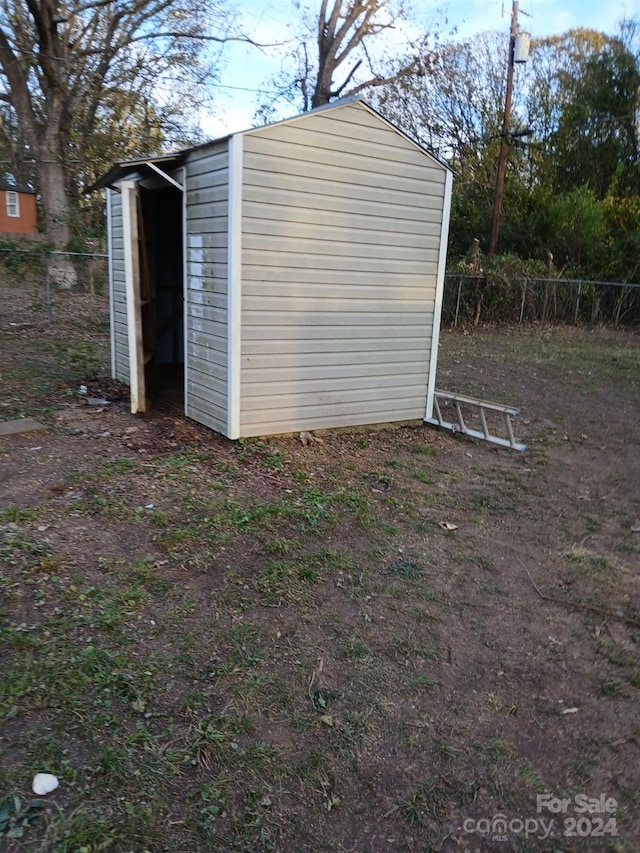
{"x":366,"y":218}
{"x":116,"y":276}
{"x":423,"y":249}
{"x":307,"y":145}
{"x":314,"y":175}
{"x":206,"y":286}
{"x":297,"y":421}
{"x":314,"y":347}
{"x":346,"y":278}
{"x":381,"y":203}
{"x":336,"y":319}
{"x":329,"y":232}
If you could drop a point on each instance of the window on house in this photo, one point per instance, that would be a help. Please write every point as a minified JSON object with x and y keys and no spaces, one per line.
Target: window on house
{"x":13,"y":204}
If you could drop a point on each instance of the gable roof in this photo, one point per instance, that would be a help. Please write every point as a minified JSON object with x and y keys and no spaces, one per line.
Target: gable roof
{"x":355,"y":99}
{"x":16,"y":188}
{"x":124,"y":168}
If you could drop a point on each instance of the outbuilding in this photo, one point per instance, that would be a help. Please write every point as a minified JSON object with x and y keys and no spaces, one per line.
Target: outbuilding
{"x":284,"y":278}
{"x":18,"y":209}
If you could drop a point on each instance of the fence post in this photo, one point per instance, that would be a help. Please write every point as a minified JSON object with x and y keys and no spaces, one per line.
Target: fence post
{"x":575,"y":319}
{"x":47,"y":288}
{"x":524,"y":293}
{"x":455,"y":321}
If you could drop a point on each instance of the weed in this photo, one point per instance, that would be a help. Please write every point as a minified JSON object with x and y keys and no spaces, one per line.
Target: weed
{"x":617,"y":655}
{"x":419,"y":682}
{"x":409,"y":647}
{"x":16,"y":816}
{"x":593,"y":524}
{"x":427,"y":801}
{"x":424,"y":450}
{"x":277,"y":546}
{"x":17,"y":514}
{"x":611,"y":689}
{"x":308,"y":575}
{"x":582,"y":766}
{"x":406,"y":569}
{"x":357,"y":649}
{"x":486,"y":563}
{"x":589,"y":563}
{"x":423,"y":477}
{"x":446,"y":750}
{"x":83,"y":359}
{"x":492,"y":586}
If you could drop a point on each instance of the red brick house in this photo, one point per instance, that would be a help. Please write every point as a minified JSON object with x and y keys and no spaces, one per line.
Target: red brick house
{"x":18,"y":212}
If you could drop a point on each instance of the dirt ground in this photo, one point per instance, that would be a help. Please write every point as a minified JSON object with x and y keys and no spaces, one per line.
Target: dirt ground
{"x":278,"y":645}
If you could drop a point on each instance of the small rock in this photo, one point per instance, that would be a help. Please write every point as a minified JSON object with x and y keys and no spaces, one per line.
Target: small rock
{"x":44,"y":783}
{"x":309,"y":438}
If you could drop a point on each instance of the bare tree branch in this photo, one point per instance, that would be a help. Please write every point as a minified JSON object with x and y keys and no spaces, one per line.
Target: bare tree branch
{"x":72,"y":68}
{"x":340,"y":35}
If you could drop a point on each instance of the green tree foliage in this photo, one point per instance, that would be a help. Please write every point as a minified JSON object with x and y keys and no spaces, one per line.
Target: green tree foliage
{"x":572,"y":173}
{"x":574,"y":228}
{"x":596,"y":140}
{"x":454,"y":108}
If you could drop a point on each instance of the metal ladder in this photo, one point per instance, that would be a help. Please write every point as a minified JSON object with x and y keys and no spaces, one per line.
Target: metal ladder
{"x":481,"y":407}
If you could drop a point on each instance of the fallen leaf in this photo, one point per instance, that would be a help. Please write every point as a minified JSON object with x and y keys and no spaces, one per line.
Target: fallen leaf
{"x":327,"y":719}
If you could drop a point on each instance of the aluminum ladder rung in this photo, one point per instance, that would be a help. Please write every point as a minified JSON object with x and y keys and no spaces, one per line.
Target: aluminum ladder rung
{"x":482,"y":407}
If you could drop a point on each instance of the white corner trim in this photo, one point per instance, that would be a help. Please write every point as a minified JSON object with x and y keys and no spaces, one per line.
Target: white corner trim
{"x":185,"y":292}
{"x":437,"y":309}
{"x":112,"y":307}
{"x":234,"y":286}
{"x":131,"y":271}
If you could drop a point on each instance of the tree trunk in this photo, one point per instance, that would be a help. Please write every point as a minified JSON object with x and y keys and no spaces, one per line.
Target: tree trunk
{"x":322,"y":92}
{"x":57,"y":212}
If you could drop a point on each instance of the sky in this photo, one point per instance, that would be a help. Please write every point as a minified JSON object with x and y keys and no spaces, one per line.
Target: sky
{"x":246,"y":70}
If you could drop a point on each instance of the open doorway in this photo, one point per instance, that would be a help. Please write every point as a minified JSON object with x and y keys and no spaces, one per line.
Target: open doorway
{"x":160,"y":252}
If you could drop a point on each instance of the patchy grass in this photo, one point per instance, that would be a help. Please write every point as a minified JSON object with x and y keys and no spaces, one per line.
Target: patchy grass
{"x":588,"y":563}
{"x":270,"y":646}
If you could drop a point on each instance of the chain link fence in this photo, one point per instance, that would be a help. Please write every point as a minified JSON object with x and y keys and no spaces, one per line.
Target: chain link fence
{"x":29,"y":295}
{"x":539,"y":300}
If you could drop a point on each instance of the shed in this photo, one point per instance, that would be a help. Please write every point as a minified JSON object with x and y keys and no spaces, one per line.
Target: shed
{"x":284,"y":278}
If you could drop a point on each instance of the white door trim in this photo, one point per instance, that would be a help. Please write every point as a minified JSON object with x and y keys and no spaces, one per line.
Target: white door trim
{"x":132,"y":289}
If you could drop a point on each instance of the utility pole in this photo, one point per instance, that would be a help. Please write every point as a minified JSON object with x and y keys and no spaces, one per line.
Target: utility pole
{"x":506,"y":124}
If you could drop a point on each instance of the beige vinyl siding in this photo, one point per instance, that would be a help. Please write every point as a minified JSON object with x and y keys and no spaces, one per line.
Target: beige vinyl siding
{"x":206,"y":290}
{"x":120,"y":341}
{"x":341,"y":219}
